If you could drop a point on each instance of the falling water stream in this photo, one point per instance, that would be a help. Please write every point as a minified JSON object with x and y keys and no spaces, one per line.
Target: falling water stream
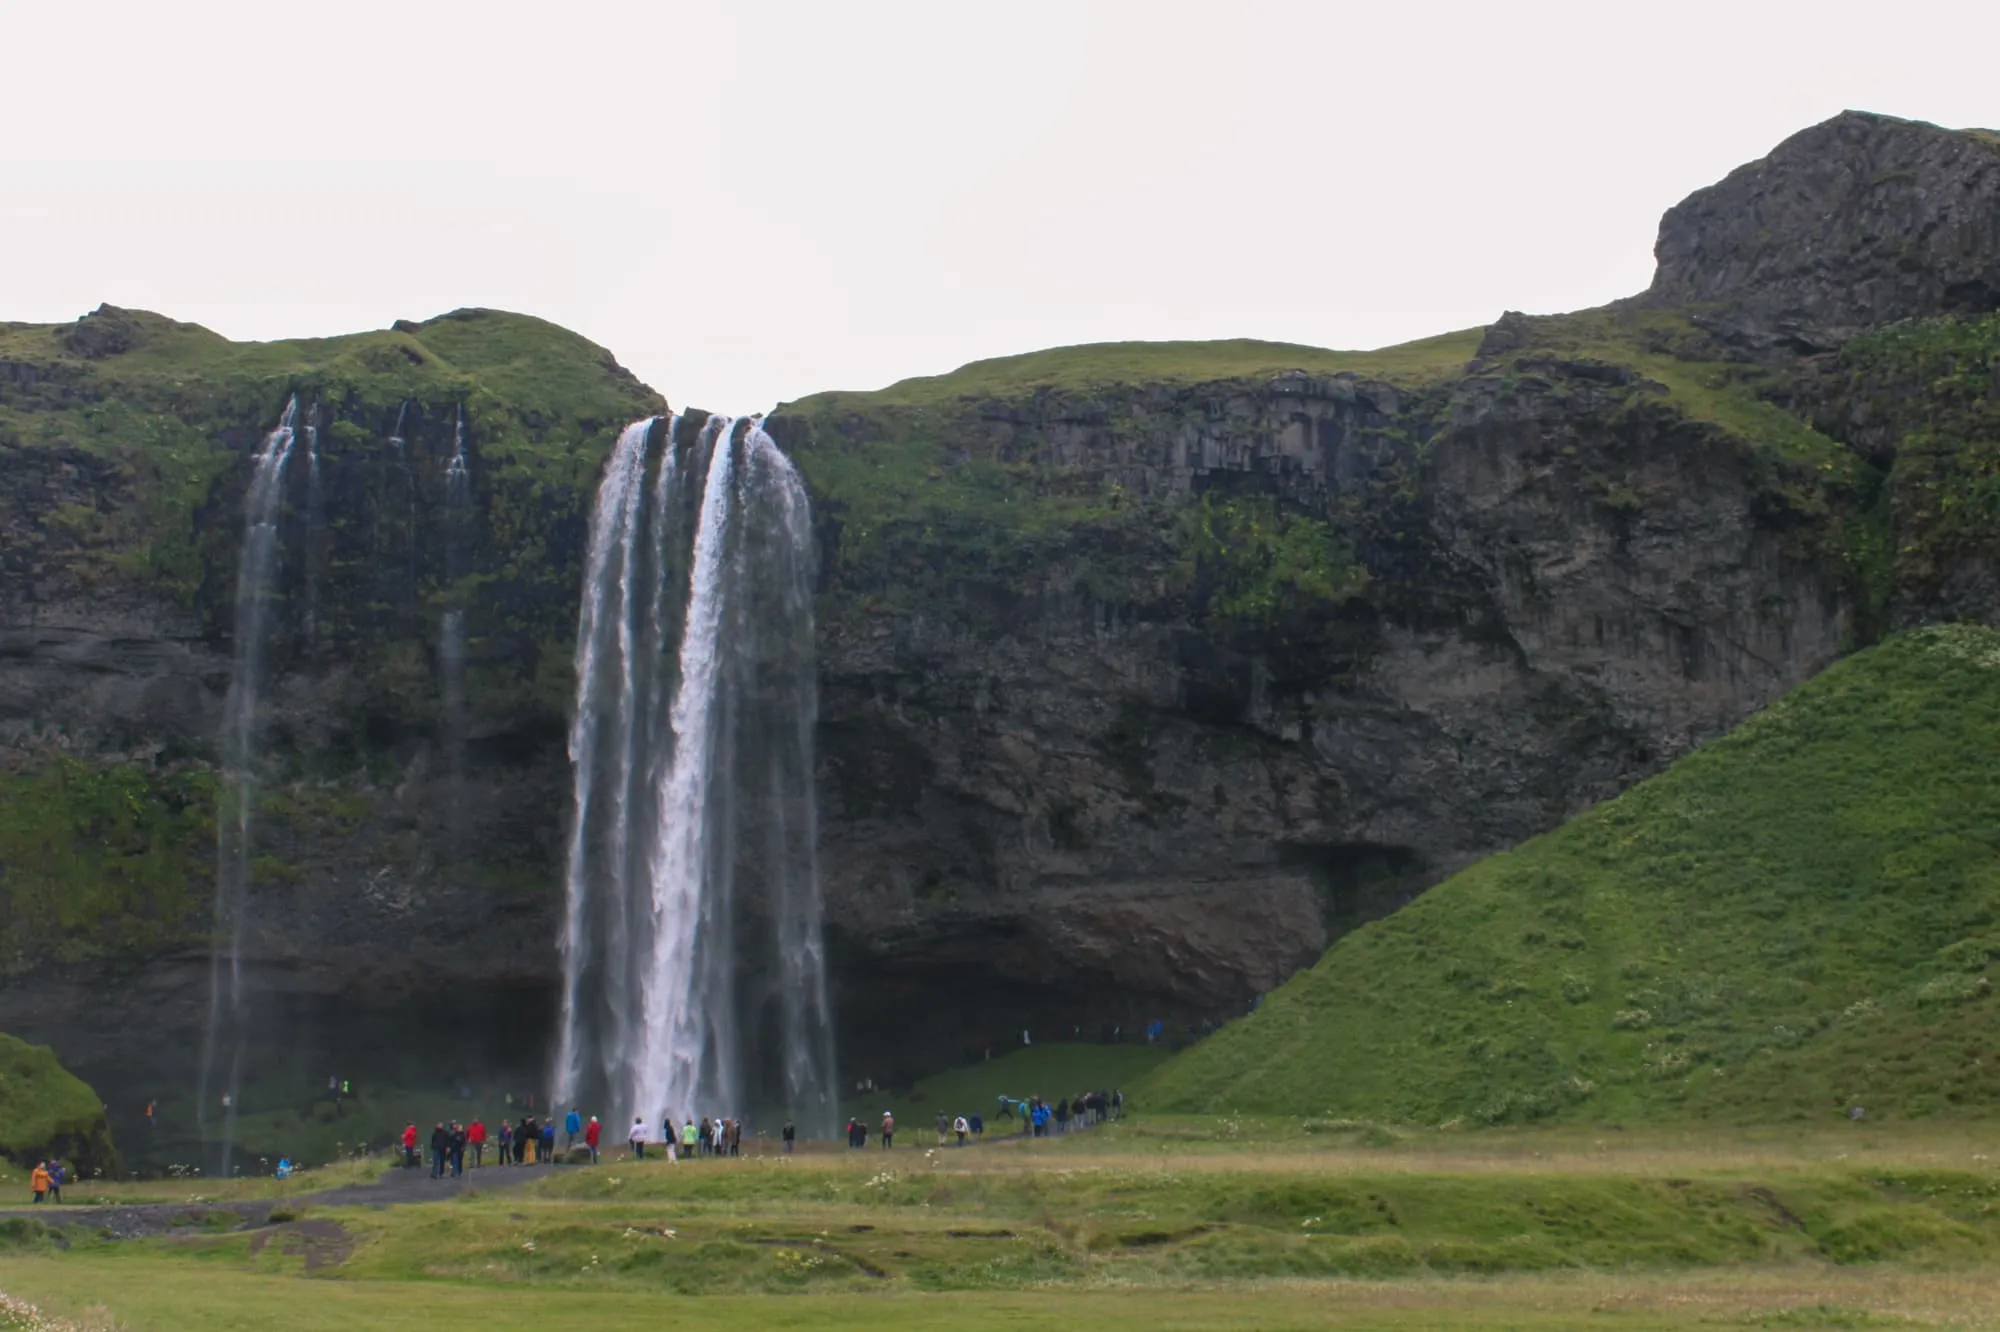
{"x":694,"y":972}
{"x":223,"y":1042}
{"x":451,"y":631}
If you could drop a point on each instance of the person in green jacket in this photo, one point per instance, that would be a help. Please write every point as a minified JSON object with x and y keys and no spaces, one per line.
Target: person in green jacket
{"x":690,"y":1139}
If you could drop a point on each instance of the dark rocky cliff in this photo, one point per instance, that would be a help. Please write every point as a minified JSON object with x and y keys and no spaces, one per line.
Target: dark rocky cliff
{"x":1146,"y":670}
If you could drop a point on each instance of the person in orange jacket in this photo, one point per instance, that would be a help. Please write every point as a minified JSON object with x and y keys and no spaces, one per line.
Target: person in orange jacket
{"x":39,"y":1181}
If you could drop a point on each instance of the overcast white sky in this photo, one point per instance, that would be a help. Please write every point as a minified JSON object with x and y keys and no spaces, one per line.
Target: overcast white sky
{"x":753,"y":201}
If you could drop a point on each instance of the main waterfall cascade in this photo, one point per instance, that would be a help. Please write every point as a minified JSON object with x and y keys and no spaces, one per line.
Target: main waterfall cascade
{"x":694,"y":969}
{"x":224,"y":1039}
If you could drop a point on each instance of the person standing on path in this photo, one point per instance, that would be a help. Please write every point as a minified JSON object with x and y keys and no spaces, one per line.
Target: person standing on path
{"x":690,"y":1138}
{"x":440,"y":1142}
{"x":637,"y":1138}
{"x":39,"y":1181}
{"x":58,"y":1176}
{"x":572,"y":1125}
{"x":790,"y":1135}
{"x":505,"y":1155}
{"x":961,"y":1127}
{"x":943,"y":1126}
{"x":475,"y":1138}
{"x":888,"y":1130}
{"x":457,"y":1149}
{"x":591,"y":1132}
{"x":549,"y":1142}
{"x":410,"y":1145}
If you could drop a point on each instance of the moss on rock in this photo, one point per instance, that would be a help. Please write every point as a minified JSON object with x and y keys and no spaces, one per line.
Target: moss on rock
{"x":48,"y":1112}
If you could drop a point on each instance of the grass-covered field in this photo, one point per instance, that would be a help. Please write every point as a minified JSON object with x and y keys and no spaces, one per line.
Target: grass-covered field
{"x":1793,"y":921}
{"x":1168,"y":1222}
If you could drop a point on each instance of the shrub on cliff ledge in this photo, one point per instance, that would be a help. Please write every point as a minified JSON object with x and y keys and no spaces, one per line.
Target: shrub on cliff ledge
{"x":45,"y":1111}
{"x":1796,"y":919}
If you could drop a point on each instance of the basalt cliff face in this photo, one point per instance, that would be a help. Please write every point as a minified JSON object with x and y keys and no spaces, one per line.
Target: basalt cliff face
{"x":1146,"y":670}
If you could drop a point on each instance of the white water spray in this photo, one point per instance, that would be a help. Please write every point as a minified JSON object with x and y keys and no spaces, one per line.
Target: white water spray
{"x":223,"y":1042}
{"x":694,"y":976}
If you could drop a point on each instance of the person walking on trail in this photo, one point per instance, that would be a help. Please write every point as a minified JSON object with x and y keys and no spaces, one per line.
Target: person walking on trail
{"x":591,"y":1133}
{"x":978,"y":1127}
{"x":440,"y":1144}
{"x":457,"y":1150}
{"x":690,"y":1138}
{"x":58,"y":1176}
{"x":790,"y":1134}
{"x":572,"y":1125}
{"x":636,"y":1139}
{"x":409,"y":1145}
{"x":505,"y":1154}
{"x":39,"y":1181}
{"x":888,"y":1130}
{"x":549,"y":1142}
{"x":943,"y":1126}
{"x":475,"y":1138}
{"x":961,"y":1127}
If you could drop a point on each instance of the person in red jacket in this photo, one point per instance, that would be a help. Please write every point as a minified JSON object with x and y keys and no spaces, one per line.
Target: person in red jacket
{"x":410,"y":1146}
{"x":475,"y":1138}
{"x":591,"y":1132}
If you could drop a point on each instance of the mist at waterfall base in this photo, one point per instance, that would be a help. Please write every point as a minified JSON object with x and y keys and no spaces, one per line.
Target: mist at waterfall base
{"x":694,"y":969}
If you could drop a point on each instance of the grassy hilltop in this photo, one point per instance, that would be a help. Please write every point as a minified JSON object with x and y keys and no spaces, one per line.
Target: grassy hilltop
{"x":1794,"y":920}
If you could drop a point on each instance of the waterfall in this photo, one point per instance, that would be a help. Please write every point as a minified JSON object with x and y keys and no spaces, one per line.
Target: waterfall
{"x":451,"y":632}
{"x":256,"y":577}
{"x":694,"y":973}
{"x":315,"y":528}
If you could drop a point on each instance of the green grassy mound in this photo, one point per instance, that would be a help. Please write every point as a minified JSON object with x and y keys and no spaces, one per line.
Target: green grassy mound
{"x":1797,"y":919}
{"x":45,"y":1110}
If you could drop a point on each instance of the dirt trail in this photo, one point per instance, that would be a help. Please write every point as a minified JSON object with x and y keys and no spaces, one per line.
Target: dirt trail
{"x":396,"y":1185}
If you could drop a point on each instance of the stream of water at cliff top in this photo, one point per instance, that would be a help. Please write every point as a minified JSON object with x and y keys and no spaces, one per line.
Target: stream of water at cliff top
{"x":694,"y":970}
{"x":219,"y":1090}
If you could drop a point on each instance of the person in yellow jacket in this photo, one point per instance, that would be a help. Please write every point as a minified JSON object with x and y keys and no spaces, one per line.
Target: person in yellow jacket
{"x":39,"y":1181}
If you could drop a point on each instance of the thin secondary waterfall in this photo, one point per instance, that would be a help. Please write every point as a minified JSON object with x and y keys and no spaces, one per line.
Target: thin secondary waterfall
{"x":315,"y":528}
{"x":694,"y":974}
{"x":220,"y":1085}
{"x":451,"y":632}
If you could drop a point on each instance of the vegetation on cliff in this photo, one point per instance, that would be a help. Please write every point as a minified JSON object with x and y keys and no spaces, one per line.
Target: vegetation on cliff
{"x":160,"y":413}
{"x":45,"y":1111}
{"x":1922,"y":401}
{"x":1794,"y":920}
{"x":101,"y":861}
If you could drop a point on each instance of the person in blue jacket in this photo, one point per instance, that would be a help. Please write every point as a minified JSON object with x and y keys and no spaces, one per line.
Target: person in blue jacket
{"x":572,"y":1125}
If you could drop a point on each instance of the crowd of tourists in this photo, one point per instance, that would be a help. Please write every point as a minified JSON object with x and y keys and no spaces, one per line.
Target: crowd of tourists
{"x":1034,"y":1115}
{"x":532,"y":1141}
{"x":1084,"y":1110}
{"x":698,"y":1137}
{"x":527,"y":1142}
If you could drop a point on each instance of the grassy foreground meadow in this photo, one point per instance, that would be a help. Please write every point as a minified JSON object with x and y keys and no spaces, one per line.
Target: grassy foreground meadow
{"x":1215,"y":1222}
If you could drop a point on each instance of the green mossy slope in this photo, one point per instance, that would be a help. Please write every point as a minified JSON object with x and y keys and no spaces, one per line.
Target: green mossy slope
{"x":1794,"y":920}
{"x":150,"y":407}
{"x":45,"y":1110}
